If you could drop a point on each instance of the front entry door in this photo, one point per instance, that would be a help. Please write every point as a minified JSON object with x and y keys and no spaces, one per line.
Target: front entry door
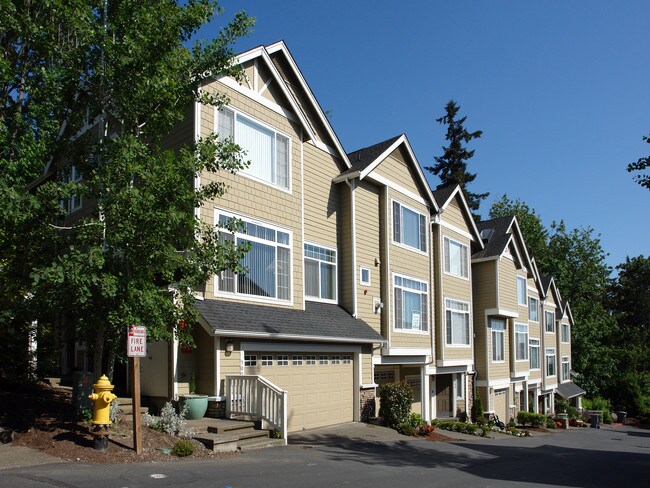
{"x":443,"y":396}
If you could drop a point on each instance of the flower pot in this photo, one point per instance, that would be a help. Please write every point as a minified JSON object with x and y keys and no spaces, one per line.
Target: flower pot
{"x":196,"y":405}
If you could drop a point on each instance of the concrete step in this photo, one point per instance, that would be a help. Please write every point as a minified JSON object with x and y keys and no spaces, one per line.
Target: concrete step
{"x":126,"y":406}
{"x":247,"y":433}
{"x":259,"y":443}
{"x":231,"y":427}
{"x":218,"y":442}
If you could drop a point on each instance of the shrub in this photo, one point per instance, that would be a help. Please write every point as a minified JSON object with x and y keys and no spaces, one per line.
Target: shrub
{"x":183,"y":448}
{"x":477,"y":410}
{"x":550,"y":423}
{"x":396,"y":400}
{"x":512,"y":424}
{"x":485,"y":429}
{"x":406,"y":428}
{"x":114,"y":411}
{"x":416,"y":420}
{"x":169,"y":421}
{"x":599,"y":403}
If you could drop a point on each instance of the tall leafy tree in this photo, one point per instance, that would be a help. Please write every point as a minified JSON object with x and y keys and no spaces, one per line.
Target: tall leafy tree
{"x":451,"y":167}
{"x":94,"y":87}
{"x":641,"y":165}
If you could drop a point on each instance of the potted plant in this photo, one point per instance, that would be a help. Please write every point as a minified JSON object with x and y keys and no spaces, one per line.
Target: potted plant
{"x":195,"y":405}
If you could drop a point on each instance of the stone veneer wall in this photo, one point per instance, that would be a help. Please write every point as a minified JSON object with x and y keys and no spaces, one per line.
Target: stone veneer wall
{"x":368,"y":404}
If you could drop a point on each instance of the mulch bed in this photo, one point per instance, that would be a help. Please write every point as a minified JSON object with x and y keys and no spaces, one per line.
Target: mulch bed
{"x":436,"y":437}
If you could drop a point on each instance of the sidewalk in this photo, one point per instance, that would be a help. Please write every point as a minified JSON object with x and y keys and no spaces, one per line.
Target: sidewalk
{"x":12,"y":456}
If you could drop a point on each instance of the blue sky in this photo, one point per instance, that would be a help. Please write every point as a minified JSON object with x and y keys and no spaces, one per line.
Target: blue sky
{"x":560,"y":89}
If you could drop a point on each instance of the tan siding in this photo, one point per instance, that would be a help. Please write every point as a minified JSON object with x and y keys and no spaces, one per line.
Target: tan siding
{"x":321,"y":196}
{"x":366,"y":366}
{"x":484,"y":297}
{"x":368,"y":250}
{"x":454,"y":215}
{"x":345,"y":244}
{"x":500,"y":370}
{"x":183,"y":132}
{"x":396,"y":170}
{"x":507,"y":284}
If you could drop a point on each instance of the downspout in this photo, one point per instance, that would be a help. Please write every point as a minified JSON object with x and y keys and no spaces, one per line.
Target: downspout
{"x":353,"y":227}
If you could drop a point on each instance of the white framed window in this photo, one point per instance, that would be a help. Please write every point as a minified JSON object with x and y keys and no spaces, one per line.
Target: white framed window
{"x":533,"y":303}
{"x":267,"y":360}
{"x":346,"y":359}
{"x":521,"y":291}
{"x":456,"y":258}
{"x":296,"y":360}
{"x":336,"y":359}
{"x":498,"y":327}
{"x":364,"y":276}
{"x":550,"y":361}
{"x":283,"y":360}
{"x":566,"y":368}
{"x":250,"y":360}
{"x":521,"y":342}
{"x":268,"y":262}
{"x":533,"y":346}
{"x":268,"y":151}
{"x":549,"y":319}
{"x":565,"y":332}
{"x":310,"y":359}
{"x":457,"y":322}
{"x":409,"y":227}
{"x":320,"y":272}
{"x":382,"y":377}
{"x":323,"y":360}
{"x":411,"y":300}
{"x":74,"y":202}
{"x":459,"y":379}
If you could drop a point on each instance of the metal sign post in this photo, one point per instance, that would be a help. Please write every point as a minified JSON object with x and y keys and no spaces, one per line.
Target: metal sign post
{"x":136,"y":348}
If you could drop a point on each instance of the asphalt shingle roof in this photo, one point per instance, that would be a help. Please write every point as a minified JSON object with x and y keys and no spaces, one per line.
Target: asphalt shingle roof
{"x":498,"y":241}
{"x":322,"y":320}
{"x":442,"y":193}
{"x":570,"y":390}
{"x":362,"y":158}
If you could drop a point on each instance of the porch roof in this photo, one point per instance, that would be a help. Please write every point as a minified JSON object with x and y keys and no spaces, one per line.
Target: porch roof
{"x":319,"y":321}
{"x":570,"y":390}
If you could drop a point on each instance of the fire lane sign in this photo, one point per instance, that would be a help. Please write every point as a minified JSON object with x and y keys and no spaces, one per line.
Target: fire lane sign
{"x":136,"y":345}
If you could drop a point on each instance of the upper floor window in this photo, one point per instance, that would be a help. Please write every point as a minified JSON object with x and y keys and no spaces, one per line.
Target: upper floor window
{"x":498,"y":339}
{"x":457,"y":318}
{"x":267,"y":150}
{"x":410,"y":303}
{"x":550,"y":361}
{"x":521,"y":342}
{"x":455,"y":258}
{"x":320,"y":272}
{"x":364,"y":276}
{"x":72,"y":203}
{"x":549,"y":318}
{"x":267,"y":263}
{"x":566,"y":368}
{"x":521,"y":291}
{"x":534,"y":353}
{"x":565,"y":333}
{"x":409,"y":227}
{"x":533,"y":303}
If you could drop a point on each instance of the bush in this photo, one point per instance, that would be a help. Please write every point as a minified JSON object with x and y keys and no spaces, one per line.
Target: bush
{"x":395,"y":400}
{"x":169,"y":421}
{"x":599,"y":403}
{"x":512,"y":424}
{"x":416,"y":420}
{"x":406,"y":428}
{"x":183,"y":448}
{"x":115,"y":412}
{"x":478,"y":415}
{"x":550,"y":423}
{"x":530,"y":418}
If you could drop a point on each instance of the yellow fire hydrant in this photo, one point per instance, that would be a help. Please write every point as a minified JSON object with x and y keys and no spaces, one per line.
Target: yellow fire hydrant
{"x":102,"y":398}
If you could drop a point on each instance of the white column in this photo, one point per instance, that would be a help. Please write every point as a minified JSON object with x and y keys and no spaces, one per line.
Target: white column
{"x":425,"y":392}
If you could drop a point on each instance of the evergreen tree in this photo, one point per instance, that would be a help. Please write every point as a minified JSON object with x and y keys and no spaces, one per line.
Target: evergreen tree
{"x":451,"y":167}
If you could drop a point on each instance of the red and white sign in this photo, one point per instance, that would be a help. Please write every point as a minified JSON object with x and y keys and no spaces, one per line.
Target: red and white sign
{"x":136,"y":343}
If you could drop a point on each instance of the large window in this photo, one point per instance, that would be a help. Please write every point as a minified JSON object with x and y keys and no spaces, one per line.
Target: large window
{"x":565,"y":332}
{"x":267,"y":264}
{"x":521,"y":291}
{"x":550,"y":361}
{"x":521,"y":342}
{"x":549,"y":318}
{"x":498,"y":339}
{"x":457,"y":318}
{"x":267,"y":150}
{"x":533,"y":303}
{"x":534,"y":353}
{"x":566,"y":368}
{"x":409,"y":227}
{"x":410,"y":303}
{"x":455,"y":258}
{"x":320,"y":272}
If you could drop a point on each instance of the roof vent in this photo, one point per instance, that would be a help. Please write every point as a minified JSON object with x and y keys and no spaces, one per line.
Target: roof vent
{"x":486,"y":234}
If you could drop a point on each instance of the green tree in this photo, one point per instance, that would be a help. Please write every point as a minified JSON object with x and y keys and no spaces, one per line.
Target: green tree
{"x":123,"y":70}
{"x":451,"y":167}
{"x":530,"y":223}
{"x":641,"y":164}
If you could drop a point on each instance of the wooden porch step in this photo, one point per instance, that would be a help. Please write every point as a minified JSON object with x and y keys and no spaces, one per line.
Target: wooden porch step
{"x":243,"y":433}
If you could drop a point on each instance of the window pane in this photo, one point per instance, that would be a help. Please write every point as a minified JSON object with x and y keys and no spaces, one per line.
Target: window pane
{"x":398,"y":309}
{"x":521,"y":290}
{"x":412,"y":310}
{"x":283,"y":273}
{"x":410,"y":228}
{"x":258,"y":143}
{"x":396,"y":222}
{"x":311,"y":278}
{"x":328,"y":281}
{"x":260,"y":278}
{"x":226,"y":125}
{"x":423,"y":233}
{"x":282,"y":161}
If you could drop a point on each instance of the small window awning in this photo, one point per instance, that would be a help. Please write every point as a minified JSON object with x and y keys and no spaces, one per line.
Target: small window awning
{"x":569,"y":390}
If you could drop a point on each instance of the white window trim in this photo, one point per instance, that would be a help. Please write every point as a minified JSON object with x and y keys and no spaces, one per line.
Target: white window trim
{"x":503,"y":332}
{"x":410,"y":331}
{"x":525,"y":288}
{"x":546,"y":331}
{"x":270,"y":128}
{"x":568,"y":341}
{"x":467,"y":264}
{"x":310,"y":298}
{"x":565,"y":360}
{"x":539,"y":348}
{"x":365,"y":283}
{"x":469,"y":316}
{"x":392,"y":230}
{"x":546,"y":362}
{"x":527,"y":359}
{"x":530,"y":308}
{"x":254,"y":298}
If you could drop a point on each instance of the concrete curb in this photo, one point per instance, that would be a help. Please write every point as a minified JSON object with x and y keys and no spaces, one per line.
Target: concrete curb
{"x":12,"y":456}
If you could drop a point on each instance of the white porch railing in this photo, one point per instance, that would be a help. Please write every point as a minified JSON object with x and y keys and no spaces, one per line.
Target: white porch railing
{"x":254,"y":396}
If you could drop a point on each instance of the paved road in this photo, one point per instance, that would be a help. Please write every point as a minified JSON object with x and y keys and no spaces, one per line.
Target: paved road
{"x":358,"y":455}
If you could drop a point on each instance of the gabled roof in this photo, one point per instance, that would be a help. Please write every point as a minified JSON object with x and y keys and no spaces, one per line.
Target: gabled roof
{"x":497,"y":235}
{"x":549,"y":286}
{"x":318,"y":322}
{"x":364,"y":161}
{"x":566,"y":311}
{"x":279,"y":48}
{"x":443,"y":195}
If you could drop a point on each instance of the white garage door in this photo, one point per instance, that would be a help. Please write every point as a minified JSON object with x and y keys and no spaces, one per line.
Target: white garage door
{"x":320,"y":386}
{"x":500,"y":405}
